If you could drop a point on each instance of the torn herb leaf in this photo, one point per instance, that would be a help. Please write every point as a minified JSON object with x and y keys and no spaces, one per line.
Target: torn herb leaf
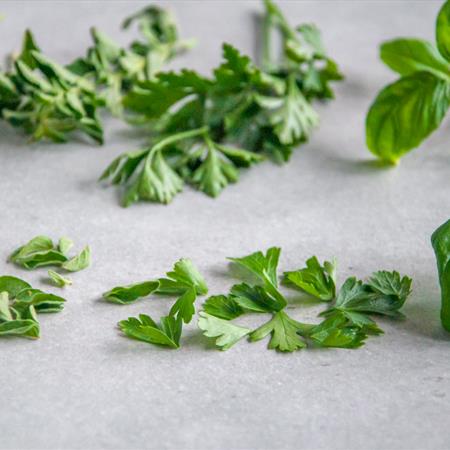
{"x":124,"y":295}
{"x":316,"y":280}
{"x":182,"y":277}
{"x":167,"y":333}
{"x":59,"y":280}
{"x":79,"y":262}
{"x":283,"y":330}
{"x":41,"y":251}
{"x":227,"y":334}
{"x":223,"y":307}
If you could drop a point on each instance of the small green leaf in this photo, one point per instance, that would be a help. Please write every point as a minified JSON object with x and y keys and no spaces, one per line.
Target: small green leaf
{"x":223,"y":307}
{"x":318,"y":281}
{"x":227,"y":334}
{"x":183,"y":276}
{"x":128,"y":294}
{"x":145,"y":329}
{"x":64,"y":245}
{"x":254,"y":298}
{"x":42,"y":302}
{"x":58,"y":280}
{"x":184,"y":307}
{"x":12,"y":285}
{"x":283,"y":330}
{"x":79,"y":262}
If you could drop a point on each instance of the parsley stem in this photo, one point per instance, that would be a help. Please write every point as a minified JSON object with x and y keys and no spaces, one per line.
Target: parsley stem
{"x":179,"y":137}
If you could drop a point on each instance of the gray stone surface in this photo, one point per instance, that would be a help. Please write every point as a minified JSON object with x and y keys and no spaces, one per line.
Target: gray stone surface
{"x":83,"y":386}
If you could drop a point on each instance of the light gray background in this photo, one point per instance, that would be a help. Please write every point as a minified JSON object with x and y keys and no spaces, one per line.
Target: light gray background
{"x":82,"y":385}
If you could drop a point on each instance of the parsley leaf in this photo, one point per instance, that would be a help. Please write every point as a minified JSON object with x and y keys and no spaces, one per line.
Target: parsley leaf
{"x":227,"y":334}
{"x":124,"y":295}
{"x":182,"y":277}
{"x":167,"y":333}
{"x":283,"y":330}
{"x":265,"y":269}
{"x":223,"y":307}
{"x":184,"y":307}
{"x":318,"y":281}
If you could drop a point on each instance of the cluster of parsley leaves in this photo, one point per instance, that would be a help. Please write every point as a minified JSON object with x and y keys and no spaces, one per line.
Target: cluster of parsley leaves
{"x":347,"y":322}
{"x":205,"y":129}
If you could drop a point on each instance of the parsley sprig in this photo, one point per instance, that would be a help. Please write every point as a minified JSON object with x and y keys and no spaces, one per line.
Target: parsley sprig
{"x":211,"y":127}
{"x":348,"y":320}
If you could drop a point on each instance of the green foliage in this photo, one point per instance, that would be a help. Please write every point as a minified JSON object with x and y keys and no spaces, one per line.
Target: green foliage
{"x":228,"y":121}
{"x":167,"y":333}
{"x":58,"y":280}
{"x":41,"y":251}
{"x":440,"y":241}
{"x":318,"y":281}
{"x":407,"y":111}
{"x":347,"y":323}
{"x":19,"y":303}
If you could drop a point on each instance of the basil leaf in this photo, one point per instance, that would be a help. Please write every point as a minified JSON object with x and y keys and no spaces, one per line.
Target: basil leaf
{"x":443,"y":30}
{"x":440,"y":241}
{"x":405,"y":113}
{"x":407,"y":56}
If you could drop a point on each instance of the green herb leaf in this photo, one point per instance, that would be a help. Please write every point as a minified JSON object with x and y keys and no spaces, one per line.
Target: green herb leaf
{"x":182,"y":277}
{"x":265,"y":269}
{"x":283,"y":330}
{"x":64,"y":245}
{"x":145,"y":329}
{"x":12,"y":285}
{"x":41,"y":301}
{"x":443,"y":30}
{"x":124,"y":295}
{"x":79,"y":262}
{"x":440,"y":241}
{"x":58,"y":279}
{"x":223,"y":307}
{"x":318,"y":281}
{"x":227,"y":334}
{"x":407,"y":56}
{"x":405,"y":113}
{"x":184,"y":307}
{"x":254,"y":298}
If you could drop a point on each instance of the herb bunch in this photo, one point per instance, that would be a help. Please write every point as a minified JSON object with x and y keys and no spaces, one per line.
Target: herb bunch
{"x":51,"y":101}
{"x":205,"y":129}
{"x":407,"y":111}
{"x":114,"y":69}
{"x":47,"y":100}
